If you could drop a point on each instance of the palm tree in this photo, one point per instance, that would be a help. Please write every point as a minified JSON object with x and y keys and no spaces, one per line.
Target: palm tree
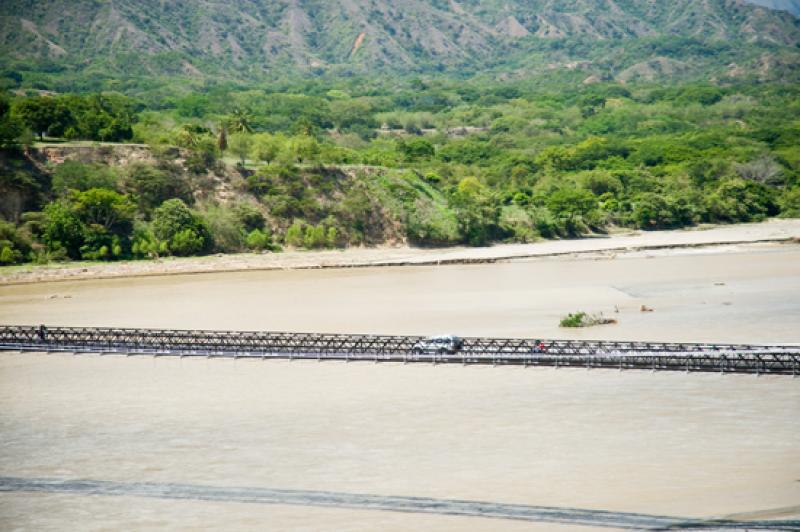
{"x":239,"y":121}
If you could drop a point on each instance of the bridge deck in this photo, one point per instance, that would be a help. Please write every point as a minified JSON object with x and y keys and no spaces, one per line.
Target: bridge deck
{"x":704,"y":357}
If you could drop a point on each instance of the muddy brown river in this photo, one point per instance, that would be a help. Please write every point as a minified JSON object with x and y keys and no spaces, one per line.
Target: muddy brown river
{"x":103,"y":443}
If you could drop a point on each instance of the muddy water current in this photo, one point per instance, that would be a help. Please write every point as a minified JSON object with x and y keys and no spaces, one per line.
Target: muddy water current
{"x":102,"y":443}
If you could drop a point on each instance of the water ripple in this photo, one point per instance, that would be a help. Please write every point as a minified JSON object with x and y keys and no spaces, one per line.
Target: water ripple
{"x":520,"y":512}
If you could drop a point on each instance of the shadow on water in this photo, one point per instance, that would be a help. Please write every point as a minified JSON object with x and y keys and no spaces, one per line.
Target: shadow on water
{"x":571,"y":516}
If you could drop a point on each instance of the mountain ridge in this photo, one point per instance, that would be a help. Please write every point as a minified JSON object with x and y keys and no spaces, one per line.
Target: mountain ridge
{"x":257,"y":38}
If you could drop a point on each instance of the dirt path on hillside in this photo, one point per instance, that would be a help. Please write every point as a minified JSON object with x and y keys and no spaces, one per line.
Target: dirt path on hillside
{"x":634,"y":241}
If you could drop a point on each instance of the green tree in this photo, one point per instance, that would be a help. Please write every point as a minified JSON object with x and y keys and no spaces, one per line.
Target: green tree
{"x":106,"y":208}
{"x":184,"y":231}
{"x":737,"y":200}
{"x":576,"y":208}
{"x":266,"y":147}
{"x":477,"y":212}
{"x":240,"y":144}
{"x":11,"y":127}
{"x":151,"y":185}
{"x":39,"y":113}
{"x":661,"y":211}
{"x":63,"y":230}
{"x":591,"y":104}
{"x":303,"y":148}
{"x":416,"y":148}
{"x":350,"y":113}
{"x":95,"y":224}
{"x":467,"y":151}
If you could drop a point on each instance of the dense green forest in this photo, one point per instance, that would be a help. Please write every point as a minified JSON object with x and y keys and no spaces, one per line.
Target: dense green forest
{"x":318,"y":164}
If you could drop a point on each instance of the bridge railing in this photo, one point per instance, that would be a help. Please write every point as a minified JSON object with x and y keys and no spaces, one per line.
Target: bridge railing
{"x":750,"y":358}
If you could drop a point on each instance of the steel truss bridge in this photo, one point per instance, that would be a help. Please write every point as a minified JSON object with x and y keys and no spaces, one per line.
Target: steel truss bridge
{"x":655,"y":356}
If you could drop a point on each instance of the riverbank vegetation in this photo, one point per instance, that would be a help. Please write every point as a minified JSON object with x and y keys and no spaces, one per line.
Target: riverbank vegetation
{"x":583,"y":319}
{"x":430,"y":163}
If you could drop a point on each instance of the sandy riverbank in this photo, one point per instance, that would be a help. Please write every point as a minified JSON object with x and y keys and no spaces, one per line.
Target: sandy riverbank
{"x":770,"y":231}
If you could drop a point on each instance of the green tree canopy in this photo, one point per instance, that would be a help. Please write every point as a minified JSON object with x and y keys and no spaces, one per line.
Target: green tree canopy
{"x":184,"y":231}
{"x":152,"y":185}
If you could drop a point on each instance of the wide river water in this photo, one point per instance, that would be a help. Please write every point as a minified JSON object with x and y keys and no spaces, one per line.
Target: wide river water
{"x":218,"y":434}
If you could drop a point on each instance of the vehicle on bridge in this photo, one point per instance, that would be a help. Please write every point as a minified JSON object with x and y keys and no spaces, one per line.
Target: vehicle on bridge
{"x":440,"y":345}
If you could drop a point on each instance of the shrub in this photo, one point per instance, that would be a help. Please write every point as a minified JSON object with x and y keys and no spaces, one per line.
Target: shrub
{"x":545,"y":223}
{"x":582,"y":319}
{"x":315,"y":237}
{"x":146,"y":245}
{"x":100,"y":244}
{"x":202,"y":155}
{"x":477,"y":211}
{"x":659,"y":211}
{"x":249,"y":216}
{"x":573,"y":320}
{"x":737,"y":200}
{"x":790,"y":203}
{"x":258,"y":240}
{"x":226,"y":230}
{"x":294,"y":235}
{"x":187,"y":242}
{"x":268,"y":179}
{"x":429,"y":224}
{"x":765,"y":169}
{"x":8,"y":255}
{"x":14,"y":244}
{"x":332,"y":237}
{"x":516,"y":221}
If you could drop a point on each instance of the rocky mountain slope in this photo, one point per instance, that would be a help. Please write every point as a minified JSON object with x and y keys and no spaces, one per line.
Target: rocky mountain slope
{"x":251,"y":38}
